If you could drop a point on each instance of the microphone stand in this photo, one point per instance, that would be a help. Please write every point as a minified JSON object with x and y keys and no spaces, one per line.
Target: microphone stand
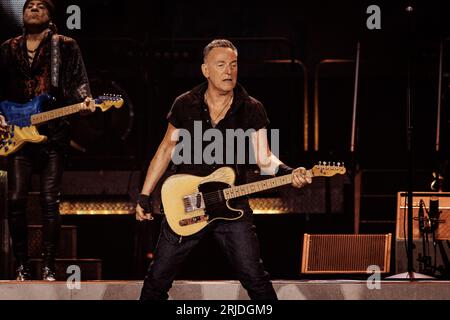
{"x":410,"y":274}
{"x":423,"y":260}
{"x":409,"y":110}
{"x":410,"y":138}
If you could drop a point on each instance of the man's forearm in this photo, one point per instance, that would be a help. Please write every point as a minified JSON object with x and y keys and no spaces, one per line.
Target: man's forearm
{"x":274,"y":166}
{"x":156,"y":169}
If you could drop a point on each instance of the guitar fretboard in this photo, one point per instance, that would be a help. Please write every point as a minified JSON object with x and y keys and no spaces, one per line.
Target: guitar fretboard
{"x":54,"y":114}
{"x":249,"y":188}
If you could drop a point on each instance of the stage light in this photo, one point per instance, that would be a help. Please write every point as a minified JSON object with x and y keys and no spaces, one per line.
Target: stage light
{"x":12,"y":9}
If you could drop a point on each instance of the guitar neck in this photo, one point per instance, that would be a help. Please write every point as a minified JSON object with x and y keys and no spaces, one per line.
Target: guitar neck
{"x":55,"y":114}
{"x":254,"y":187}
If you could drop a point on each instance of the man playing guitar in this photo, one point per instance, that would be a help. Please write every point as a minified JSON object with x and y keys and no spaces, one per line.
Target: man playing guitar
{"x":218,"y":104}
{"x":40,"y":62}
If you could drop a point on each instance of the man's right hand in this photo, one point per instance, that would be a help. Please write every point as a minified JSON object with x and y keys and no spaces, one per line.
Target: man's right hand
{"x":141,"y":215}
{"x":144,"y":207}
{"x":3,"y":124}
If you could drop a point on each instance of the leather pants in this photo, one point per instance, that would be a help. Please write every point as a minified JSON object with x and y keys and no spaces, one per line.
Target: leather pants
{"x":48,"y":162}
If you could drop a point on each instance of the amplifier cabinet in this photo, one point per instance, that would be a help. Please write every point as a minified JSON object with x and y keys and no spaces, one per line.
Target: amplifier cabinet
{"x":443,"y":228}
{"x":345,"y":253}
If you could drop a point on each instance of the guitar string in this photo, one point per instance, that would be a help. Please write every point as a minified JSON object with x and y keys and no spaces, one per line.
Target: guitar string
{"x":271,"y":183}
{"x":215,"y":195}
{"x":27,"y":117}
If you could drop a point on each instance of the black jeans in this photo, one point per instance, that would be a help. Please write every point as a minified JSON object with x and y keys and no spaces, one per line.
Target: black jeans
{"x":238,"y":241}
{"x":48,"y":162}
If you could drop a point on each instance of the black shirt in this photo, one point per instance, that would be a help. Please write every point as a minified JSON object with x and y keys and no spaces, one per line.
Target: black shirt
{"x":21,"y":82}
{"x":190,"y":112}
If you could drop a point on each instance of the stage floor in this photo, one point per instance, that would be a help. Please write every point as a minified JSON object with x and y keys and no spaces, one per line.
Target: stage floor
{"x":232,"y":290}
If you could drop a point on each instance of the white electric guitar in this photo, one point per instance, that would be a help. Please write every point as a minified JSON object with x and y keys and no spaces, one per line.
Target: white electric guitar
{"x":192,"y":202}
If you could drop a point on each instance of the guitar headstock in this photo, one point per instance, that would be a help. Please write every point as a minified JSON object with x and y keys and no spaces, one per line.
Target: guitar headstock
{"x":106,"y":101}
{"x":328,"y":169}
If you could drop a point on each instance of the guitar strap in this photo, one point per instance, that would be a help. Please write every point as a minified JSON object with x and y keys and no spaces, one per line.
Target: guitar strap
{"x":55,"y":60}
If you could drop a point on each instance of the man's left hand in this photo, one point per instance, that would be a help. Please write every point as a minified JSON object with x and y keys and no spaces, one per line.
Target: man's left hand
{"x":88,"y":106}
{"x":300,"y":177}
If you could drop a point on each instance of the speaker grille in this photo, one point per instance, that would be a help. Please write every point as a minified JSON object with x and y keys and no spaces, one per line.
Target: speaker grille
{"x":345,"y":253}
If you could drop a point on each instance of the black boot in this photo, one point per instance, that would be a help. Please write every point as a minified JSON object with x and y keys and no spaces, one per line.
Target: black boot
{"x":18,"y":230}
{"x":23,"y":272}
{"x":48,"y":270}
{"x":50,"y":239}
{"x":48,"y":274}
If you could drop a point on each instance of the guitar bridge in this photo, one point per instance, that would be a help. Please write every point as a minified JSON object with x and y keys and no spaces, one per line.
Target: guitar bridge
{"x":193,"y":202}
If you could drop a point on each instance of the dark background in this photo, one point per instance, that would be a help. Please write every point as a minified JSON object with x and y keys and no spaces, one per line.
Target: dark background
{"x":150,"y":52}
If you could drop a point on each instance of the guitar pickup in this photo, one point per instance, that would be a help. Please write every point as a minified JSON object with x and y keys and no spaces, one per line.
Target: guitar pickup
{"x":193,"y":202}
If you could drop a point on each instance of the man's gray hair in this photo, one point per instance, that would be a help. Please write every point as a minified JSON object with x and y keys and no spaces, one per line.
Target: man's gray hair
{"x":218,"y":43}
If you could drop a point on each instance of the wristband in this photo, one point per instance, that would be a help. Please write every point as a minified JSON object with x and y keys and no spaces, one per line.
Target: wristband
{"x":145,"y":202}
{"x":283,"y":170}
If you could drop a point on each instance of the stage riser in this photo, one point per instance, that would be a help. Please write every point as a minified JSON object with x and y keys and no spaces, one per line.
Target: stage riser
{"x":231,"y":290}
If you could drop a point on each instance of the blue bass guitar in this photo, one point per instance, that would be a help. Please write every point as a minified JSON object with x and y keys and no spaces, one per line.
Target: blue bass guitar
{"x":22,"y":119}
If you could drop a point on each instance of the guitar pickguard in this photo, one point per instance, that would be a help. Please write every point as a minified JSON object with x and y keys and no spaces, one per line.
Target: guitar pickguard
{"x":20,"y":114}
{"x":215,"y":204}
{"x":20,"y":130}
